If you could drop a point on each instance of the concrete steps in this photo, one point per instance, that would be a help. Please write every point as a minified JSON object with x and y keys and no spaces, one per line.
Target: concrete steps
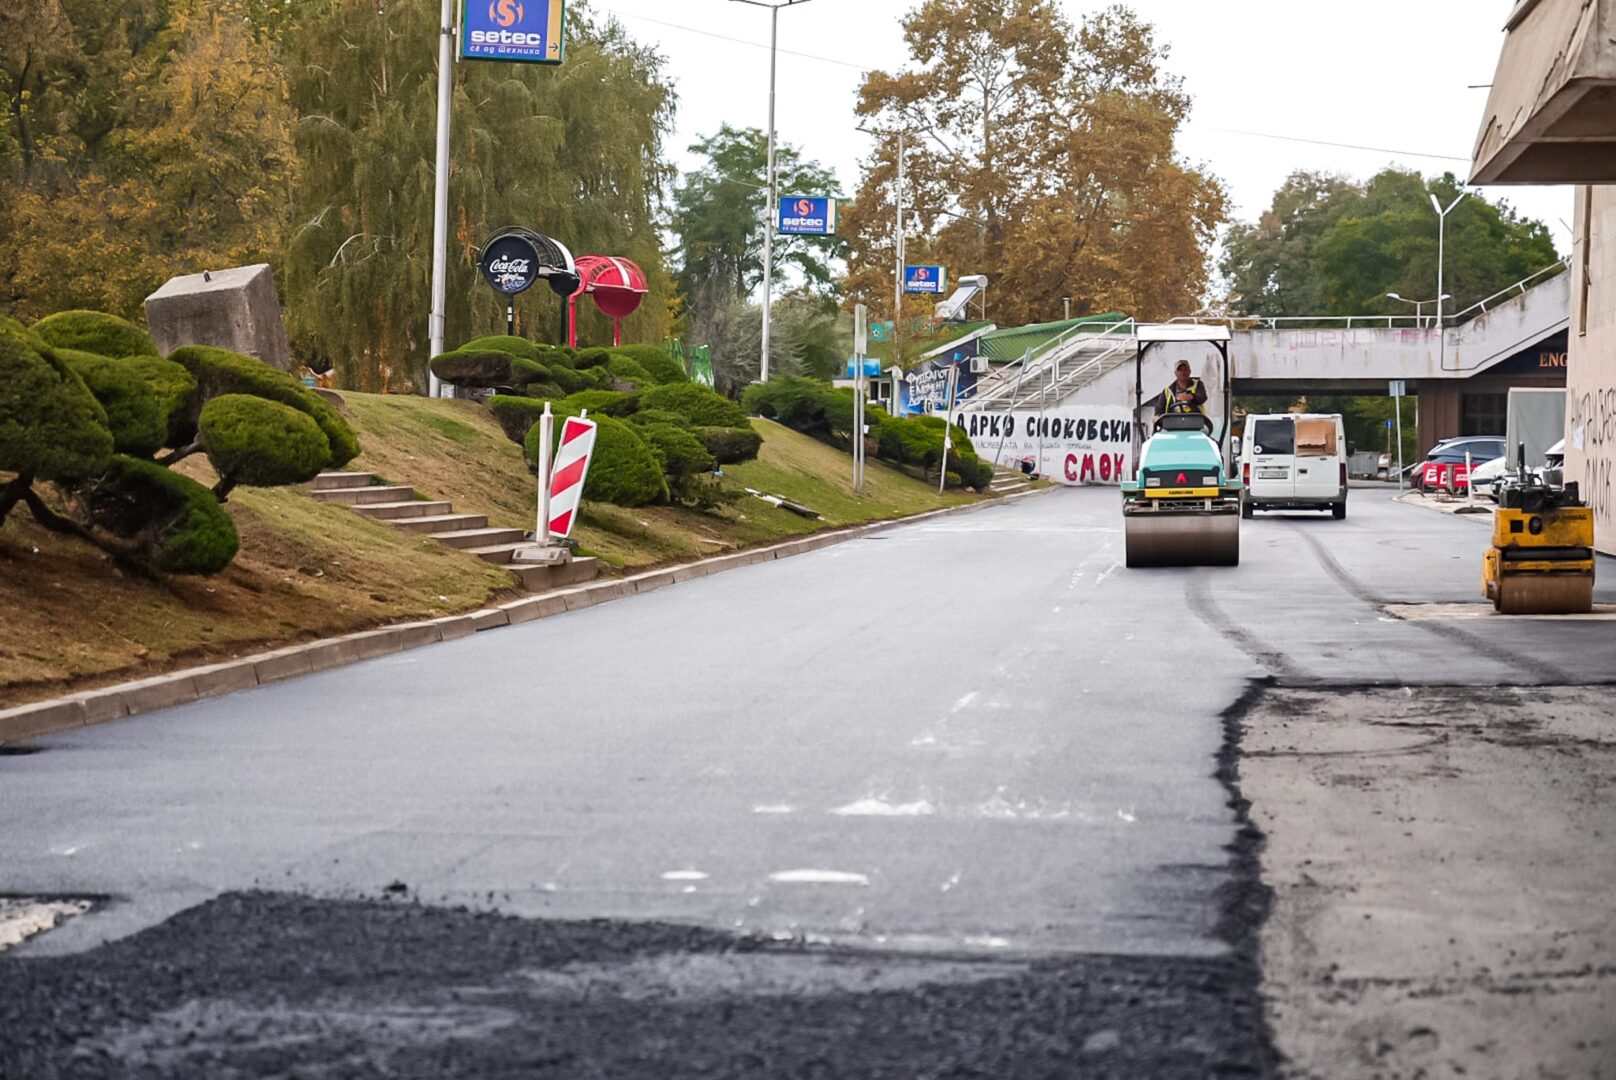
{"x":1008,"y":481}
{"x":401,"y":508}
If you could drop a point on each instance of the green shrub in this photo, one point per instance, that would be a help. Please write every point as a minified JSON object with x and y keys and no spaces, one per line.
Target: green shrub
{"x":500,"y":343}
{"x":610,"y":402}
{"x":51,"y":426}
{"x":628,"y":373}
{"x":219,"y":371}
{"x":261,"y":443}
{"x":731,"y":446}
{"x":95,"y":332}
{"x":698,"y":405}
{"x":516,"y":415}
{"x":658,"y":416}
{"x":798,"y":403}
{"x":593,"y":358}
{"x":10,"y":326}
{"x":138,"y":423}
{"x":487,"y":368}
{"x":623,"y":471}
{"x":175,"y":392}
{"x":684,"y":459}
{"x":657,"y":363}
{"x":541,"y":390}
{"x":917,"y":441}
{"x":575,"y":381}
{"x":178,"y":525}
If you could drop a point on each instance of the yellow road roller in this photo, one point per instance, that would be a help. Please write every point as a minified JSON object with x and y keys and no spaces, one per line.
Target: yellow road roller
{"x":1541,"y":561}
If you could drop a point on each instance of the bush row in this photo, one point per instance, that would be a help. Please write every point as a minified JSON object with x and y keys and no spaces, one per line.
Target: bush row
{"x":818,"y":409}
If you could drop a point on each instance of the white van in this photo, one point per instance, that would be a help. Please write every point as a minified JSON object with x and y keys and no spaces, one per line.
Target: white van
{"x":1294,"y":461}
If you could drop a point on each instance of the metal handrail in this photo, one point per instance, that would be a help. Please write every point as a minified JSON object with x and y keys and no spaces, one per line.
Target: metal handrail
{"x":1033,"y":358}
{"x":1390,"y":322}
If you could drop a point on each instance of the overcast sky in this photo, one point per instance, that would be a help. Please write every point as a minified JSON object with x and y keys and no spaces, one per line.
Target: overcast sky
{"x":1389,"y":76}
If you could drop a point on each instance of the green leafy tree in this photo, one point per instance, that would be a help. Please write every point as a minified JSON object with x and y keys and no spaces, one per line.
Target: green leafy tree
{"x":1328,"y":246}
{"x":718,"y":211}
{"x":574,"y":152}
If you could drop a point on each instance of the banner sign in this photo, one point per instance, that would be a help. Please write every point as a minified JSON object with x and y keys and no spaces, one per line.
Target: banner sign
{"x":807,"y":215}
{"x":510,"y":263}
{"x":1078,"y":445}
{"x":926,"y":387}
{"x":520,"y":31}
{"x":925,"y":279}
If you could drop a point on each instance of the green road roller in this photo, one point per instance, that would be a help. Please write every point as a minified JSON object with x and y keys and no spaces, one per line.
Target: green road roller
{"x":1181,"y":507}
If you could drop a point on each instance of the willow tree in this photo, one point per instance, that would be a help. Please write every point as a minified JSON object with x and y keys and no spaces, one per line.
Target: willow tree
{"x":574,"y":152}
{"x":1040,"y":154}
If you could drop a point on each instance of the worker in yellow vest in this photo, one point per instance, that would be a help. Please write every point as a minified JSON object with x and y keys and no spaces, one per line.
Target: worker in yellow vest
{"x":1184,"y":394}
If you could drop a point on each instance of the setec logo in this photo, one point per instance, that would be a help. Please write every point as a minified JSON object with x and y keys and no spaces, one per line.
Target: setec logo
{"x":505,"y":13}
{"x":922,"y":274}
{"x":804,"y":208}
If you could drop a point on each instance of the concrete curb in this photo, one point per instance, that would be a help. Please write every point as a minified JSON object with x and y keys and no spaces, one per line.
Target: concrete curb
{"x":215,"y":680}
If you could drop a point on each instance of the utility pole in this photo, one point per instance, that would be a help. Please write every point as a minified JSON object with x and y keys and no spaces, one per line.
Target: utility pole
{"x":897,"y":303}
{"x":771,"y":211}
{"x":1441,"y":265}
{"x":440,"y":194}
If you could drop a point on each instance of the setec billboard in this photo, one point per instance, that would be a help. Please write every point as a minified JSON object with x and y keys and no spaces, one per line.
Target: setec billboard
{"x":524,"y":31}
{"x":924,"y":279}
{"x":807,"y":215}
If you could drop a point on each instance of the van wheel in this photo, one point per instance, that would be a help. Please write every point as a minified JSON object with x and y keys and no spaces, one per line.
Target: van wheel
{"x":1338,"y":511}
{"x":1247,"y":510}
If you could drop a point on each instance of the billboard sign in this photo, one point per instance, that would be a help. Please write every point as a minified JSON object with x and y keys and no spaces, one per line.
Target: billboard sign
{"x":510,"y":263}
{"x":807,"y":215}
{"x":925,"y":279}
{"x":522,"y":31}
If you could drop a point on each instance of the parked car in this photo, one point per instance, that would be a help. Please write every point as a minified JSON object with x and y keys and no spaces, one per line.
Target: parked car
{"x":1292,"y":461}
{"x":1481,"y":448}
{"x":1484,"y":477}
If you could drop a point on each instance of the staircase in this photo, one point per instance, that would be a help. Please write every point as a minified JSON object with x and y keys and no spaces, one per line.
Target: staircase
{"x":1008,"y":481}
{"x":1061,"y":367}
{"x":367,"y":496}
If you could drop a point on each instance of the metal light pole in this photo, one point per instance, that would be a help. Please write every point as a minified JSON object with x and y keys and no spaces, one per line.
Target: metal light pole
{"x":1441,"y":264}
{"x":440,"y":194}
{"x":772,"y":196}
{"x":900,"y":243}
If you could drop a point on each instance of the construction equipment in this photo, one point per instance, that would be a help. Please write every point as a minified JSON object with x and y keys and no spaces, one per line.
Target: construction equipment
{"x":1541,"y":561}
{"x":1182,"y":505}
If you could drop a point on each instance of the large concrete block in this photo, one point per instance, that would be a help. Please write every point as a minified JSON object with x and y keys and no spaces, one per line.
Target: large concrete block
{"x":234,"y":309}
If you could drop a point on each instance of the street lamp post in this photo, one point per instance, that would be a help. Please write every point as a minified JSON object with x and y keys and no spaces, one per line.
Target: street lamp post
{"x":1441,"y":265}
{"x":899,"y":237}
{"x":772,"y":196}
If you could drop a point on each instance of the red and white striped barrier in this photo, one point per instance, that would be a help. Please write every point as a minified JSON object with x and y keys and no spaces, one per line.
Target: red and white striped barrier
{"x":568,"y":473}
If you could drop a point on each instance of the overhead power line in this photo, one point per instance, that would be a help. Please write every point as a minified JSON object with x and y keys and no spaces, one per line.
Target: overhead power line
{"x":865,"y":68}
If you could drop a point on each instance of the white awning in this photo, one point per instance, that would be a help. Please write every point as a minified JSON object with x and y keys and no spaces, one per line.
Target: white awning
{"x":1149,"y":332}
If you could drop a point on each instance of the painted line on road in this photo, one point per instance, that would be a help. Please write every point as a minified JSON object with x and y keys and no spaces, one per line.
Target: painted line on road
{"x":1472,"y":612}
{"x":183,"y":687}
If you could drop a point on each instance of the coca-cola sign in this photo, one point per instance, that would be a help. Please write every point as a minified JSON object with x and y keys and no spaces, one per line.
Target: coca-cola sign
{"x":511,"y":264}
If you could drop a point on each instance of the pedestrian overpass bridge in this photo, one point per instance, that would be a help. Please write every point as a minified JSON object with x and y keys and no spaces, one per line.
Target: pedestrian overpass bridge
{"x":1514,"y":338}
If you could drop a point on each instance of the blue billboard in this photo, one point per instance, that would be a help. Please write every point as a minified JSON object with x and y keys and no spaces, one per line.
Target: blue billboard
{"x":524,"y":31}
{"x":925,"y":279}
{"x":807,"y":215}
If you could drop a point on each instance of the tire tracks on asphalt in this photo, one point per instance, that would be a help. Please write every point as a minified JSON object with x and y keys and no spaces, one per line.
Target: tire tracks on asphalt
{"x":1198,"y":594}
{"x":1534,"y":669}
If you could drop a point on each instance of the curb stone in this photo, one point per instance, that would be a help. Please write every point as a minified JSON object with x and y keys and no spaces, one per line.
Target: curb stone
{"x":91,"y":707}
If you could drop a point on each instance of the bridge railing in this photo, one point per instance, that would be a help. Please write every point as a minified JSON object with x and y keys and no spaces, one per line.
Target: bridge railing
{"x":1379,"y":322}
{"x":1046,"y":360}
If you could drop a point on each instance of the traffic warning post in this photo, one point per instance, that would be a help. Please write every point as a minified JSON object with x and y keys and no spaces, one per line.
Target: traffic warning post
{"x":561,"y":486}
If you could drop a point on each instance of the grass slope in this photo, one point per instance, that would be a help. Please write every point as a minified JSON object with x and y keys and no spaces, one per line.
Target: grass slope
{"x":70,"y":619}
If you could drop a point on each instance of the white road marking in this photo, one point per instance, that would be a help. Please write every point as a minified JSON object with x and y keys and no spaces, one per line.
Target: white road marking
{"x":964,"y":702}
{"x":773,"y":808}
{"x":875,"y":807}
{"x":818,"y":877}
{"x":684,"y":875}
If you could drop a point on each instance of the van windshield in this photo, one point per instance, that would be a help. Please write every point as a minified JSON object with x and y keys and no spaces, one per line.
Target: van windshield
{"x":1273,"y":437}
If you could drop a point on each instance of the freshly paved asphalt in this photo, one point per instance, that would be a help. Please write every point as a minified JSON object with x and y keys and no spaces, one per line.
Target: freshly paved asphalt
{"x":988,"y":734}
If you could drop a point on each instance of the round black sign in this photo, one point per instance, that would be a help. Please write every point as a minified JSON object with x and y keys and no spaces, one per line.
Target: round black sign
{"x":511,"y":264}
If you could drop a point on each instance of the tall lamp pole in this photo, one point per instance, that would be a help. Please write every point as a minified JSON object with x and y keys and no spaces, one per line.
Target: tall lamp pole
{"x":1441,"y":265}
{"x":770,"y":211}
{"x":440,"y":194}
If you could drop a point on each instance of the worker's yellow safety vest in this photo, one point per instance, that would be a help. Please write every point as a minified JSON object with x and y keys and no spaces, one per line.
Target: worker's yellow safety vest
{"x":1167,"y":397}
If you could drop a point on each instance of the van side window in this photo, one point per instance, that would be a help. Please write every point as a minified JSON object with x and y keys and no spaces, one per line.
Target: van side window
{"x":1316,"y":438}
{"x":1274,"y":437}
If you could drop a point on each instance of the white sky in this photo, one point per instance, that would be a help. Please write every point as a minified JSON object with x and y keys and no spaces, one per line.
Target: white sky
{"x":1388,"y":74}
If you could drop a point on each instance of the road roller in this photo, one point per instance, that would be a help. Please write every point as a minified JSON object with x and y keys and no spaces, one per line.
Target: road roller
{"x":1541,"y":561}
{"x":1181,"y":506}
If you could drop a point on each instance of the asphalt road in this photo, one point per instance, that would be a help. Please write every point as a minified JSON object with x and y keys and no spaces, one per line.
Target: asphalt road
{"x":979,"y":737}
{"x":978,"y":732}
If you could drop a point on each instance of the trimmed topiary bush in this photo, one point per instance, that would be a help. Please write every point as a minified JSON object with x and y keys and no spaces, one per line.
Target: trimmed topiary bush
{"x":610,"y":402}
{"x":516,"y":415}
{"x":658,"y":416}
{"x":698,"y":405}
{"x":220,"y":371}
{"x":95,"y":332}
{"x":656,"y":362}
{"x":593,"y":358}
{"x":176,"y":524}
{"x":487,"y":368}
{"x":684,"y":459}
{"x":260,"y":443}
{"x":625,"y":372}
{"x":512,"y":346}
{"x":15,"y":329}
{"x":623,"y":471}
{"x":51,"y":426}
{"x":175,"y":392}
{"x":138,"y":423}
{"x":731,"y":446}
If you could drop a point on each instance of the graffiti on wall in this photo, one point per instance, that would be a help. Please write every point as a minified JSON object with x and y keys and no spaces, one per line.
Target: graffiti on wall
{"x":1076,"y":445}
{"x":1592,"y":424}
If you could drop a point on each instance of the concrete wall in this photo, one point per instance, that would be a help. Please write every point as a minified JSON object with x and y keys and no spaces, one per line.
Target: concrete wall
{"x":1591,"y":375}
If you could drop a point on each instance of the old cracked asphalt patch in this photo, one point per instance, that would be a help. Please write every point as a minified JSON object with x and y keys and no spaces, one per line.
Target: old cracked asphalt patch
{"x":261,"y":983}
